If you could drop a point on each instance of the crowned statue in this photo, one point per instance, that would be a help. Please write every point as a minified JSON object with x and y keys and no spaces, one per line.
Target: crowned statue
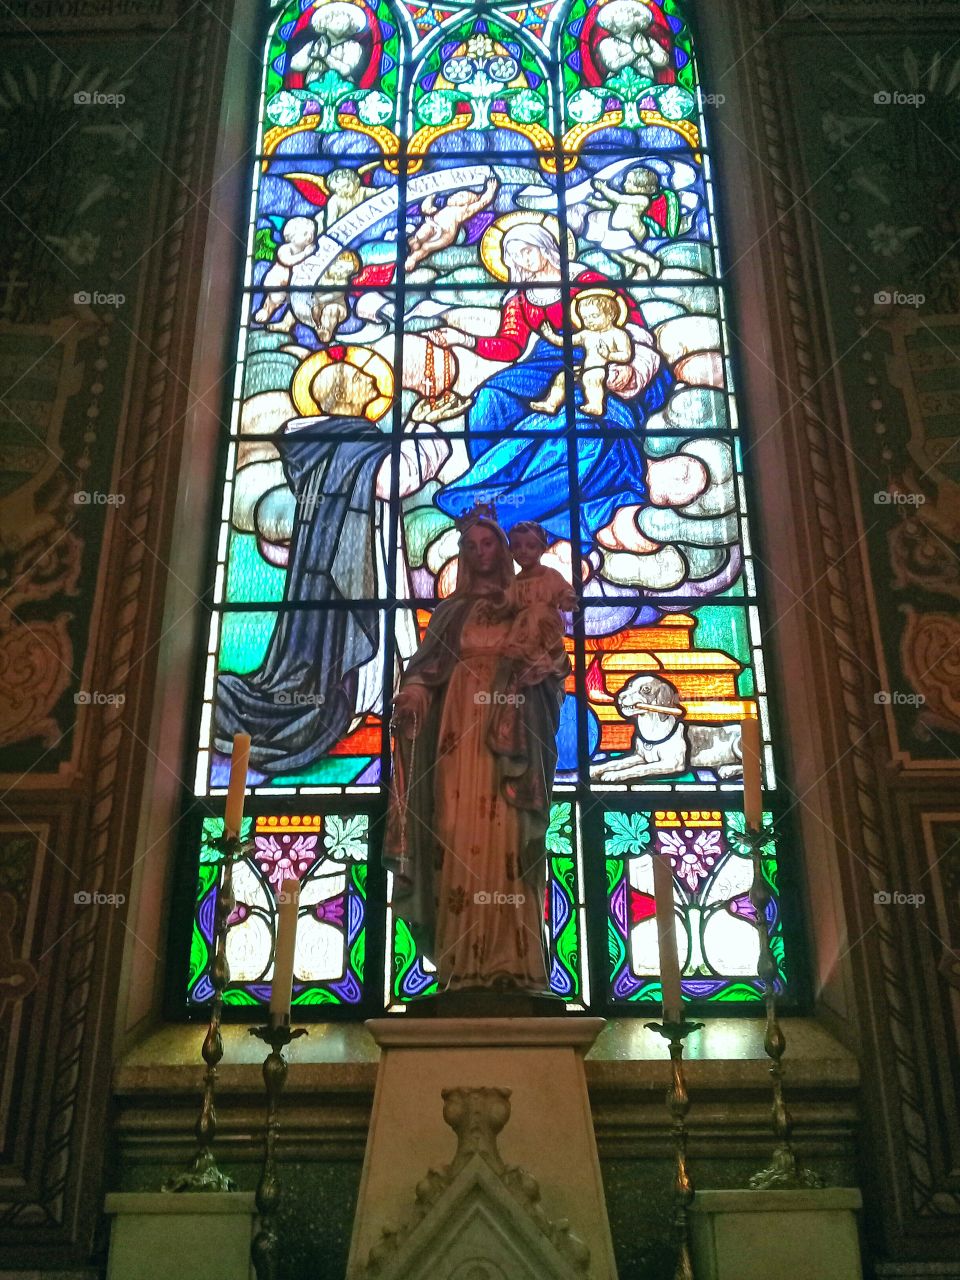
{"x":475,"y":752}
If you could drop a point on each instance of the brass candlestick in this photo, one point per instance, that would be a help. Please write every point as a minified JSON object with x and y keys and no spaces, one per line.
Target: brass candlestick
{"x":264,"y":1248}
{"x":678,"y":1104}
{"x":203,"y":1174}
{"x":785,"y":1172}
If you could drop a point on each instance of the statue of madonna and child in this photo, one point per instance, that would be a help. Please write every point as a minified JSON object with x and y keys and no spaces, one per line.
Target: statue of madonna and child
{"x":475,"y":723}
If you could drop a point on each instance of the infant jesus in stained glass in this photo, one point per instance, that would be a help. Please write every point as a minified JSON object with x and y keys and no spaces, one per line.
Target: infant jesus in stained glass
{"x":599,"y":316}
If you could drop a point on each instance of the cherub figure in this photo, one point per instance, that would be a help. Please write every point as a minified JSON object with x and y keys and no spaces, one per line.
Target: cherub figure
{"x":346,"y":191}
{"x":627,"y":44}
{"x":328,"y":306}
{"x":629,"y":207}
{"x":537,"y":596}
{"x":600,"y":316}
{"x":440,"y":226}
{"x":299,"y":241}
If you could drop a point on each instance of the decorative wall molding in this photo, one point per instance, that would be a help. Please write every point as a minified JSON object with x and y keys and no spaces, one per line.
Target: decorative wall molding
{"x":888,"y":957}
{"x":62,"y":1084}
{"x":90,"y":15}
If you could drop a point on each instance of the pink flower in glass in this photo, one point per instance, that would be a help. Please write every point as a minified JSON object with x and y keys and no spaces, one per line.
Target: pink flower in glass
{"x":692,"y":857}
{"x":285,"y":856}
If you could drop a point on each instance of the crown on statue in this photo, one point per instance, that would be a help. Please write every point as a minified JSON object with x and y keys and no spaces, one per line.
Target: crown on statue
{"x":481,"y":511}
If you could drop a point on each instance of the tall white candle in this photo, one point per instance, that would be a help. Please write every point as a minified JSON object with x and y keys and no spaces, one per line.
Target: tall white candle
{"x":667,"y":937}
{"x":752,"y":788}
{"x":233,"y":813}
{"x":281,"y":988}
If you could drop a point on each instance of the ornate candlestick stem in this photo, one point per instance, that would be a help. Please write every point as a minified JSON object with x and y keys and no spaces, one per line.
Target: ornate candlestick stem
{"x":264,"y":1247}
{"x":678,"y":1103}
{"x":785,"y":1172}
{"x":203,"y":1174}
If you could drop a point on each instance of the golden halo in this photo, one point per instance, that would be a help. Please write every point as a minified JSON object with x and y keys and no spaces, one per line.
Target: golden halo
{"x":623,"y":310}
{"x":491,"y":251}
{"x":371,"y":362}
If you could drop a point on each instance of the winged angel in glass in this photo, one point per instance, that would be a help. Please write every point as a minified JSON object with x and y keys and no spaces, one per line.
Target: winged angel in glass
{"x":482,"y":271}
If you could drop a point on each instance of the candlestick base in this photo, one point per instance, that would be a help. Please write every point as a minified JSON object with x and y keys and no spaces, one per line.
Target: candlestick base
{"x":678,"y":1104}
{"x":674,"y":1031}
{"x":265,"y":1248}
{"x":203,"y":1175}
{"x":786,"y":1173}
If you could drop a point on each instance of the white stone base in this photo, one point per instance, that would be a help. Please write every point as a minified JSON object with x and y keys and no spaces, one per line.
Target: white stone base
{"x":549,"y":1134}
{"x":753,"y":1235}
{"x":177,"y":1235}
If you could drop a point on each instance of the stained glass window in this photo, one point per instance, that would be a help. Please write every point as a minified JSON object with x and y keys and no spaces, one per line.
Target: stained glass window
{"x":482,"y":266}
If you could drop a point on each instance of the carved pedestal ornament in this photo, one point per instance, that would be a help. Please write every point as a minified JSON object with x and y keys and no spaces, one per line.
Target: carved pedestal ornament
{"x":478,"y":1218}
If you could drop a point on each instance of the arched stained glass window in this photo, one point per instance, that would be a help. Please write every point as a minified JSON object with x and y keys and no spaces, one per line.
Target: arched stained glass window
{"x":482,"y":268}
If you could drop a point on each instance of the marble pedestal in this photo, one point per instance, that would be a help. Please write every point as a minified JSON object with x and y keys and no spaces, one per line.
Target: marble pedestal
{"x":176,"y":1235}
{"x":549,"y":1134}
{"x":753,"y":1235}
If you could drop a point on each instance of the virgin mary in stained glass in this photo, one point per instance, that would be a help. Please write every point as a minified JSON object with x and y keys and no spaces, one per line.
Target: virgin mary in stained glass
{"x":620,"y":376}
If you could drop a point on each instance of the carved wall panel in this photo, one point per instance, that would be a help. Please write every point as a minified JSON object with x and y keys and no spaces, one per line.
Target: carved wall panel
{"x":108,"y":133}
{"x":850,"y":126}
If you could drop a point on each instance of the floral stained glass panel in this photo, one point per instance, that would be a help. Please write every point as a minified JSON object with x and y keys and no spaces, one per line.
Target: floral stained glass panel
{"x":329,"y":855}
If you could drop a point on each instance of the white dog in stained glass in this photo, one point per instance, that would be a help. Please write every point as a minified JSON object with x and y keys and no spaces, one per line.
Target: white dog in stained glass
{"x":663,"y":743}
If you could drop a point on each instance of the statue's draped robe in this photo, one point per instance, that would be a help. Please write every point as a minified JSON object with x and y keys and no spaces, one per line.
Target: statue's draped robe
{"x":470,"y":804}
{"x":301,"y":700}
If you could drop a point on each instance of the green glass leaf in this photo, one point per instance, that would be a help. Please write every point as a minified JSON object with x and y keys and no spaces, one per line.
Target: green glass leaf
{"x":436,"y":108}
{"x":560,"y":831}
{"x":237,"y":997}
{"x":316,"y":995}
{"x":284,"y":108}
{"x":375,"y":108}
{"x":627,"y":833}
{"x":616,"y":949}
{"x":199,"y":957}
{"x":526,"y":106}
{"x":675,"y":103}
{"x":615,"y":870}
{"x":346,"y":837}
{"x":584,"y":107}
{"x":265,"y":250}
{"x":404,"y":954}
